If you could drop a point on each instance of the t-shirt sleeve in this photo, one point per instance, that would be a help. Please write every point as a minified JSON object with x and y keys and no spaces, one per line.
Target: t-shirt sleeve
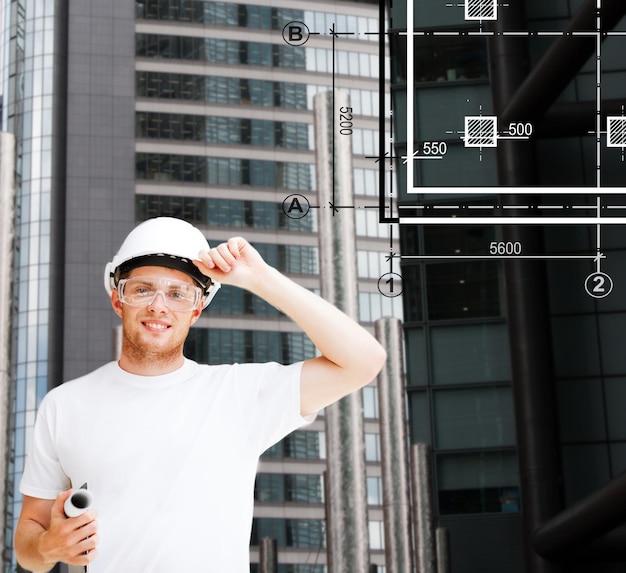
{"x":43,"y":475}
{"x":270,"y":397}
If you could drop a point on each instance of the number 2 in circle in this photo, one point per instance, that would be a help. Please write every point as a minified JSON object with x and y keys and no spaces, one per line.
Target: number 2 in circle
{"x":598,"y":285}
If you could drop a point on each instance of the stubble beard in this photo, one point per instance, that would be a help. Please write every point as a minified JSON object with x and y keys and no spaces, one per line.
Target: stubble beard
{"x":142,"y":353}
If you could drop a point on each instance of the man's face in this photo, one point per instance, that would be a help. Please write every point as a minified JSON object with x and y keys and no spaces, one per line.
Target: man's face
{"x":154,"y":332}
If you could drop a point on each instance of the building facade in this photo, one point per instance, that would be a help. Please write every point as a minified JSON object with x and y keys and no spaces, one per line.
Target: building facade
{"x":513,"y":374}
{"x":200,"y":110}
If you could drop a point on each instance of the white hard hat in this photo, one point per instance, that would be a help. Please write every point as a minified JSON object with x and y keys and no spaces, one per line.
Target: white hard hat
{"x":163,"y":242}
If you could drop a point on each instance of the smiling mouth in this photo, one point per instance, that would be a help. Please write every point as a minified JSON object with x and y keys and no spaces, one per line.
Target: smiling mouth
{"x":156,"y":326}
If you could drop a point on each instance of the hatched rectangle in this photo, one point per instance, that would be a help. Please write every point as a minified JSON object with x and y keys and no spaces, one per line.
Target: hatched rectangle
{"x":616,"y":131}
{"x":481,"y":10}
{"x":481,"y":131}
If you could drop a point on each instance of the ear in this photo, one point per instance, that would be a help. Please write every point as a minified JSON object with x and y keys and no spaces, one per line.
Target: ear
{"x":116,"y":303}
{"x":195,"y":314}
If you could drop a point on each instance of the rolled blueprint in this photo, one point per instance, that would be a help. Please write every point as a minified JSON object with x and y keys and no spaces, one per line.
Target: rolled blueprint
{"x":77,"y":503}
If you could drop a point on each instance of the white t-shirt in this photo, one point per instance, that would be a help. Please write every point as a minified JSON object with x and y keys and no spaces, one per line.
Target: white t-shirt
{"x":171,"y":460}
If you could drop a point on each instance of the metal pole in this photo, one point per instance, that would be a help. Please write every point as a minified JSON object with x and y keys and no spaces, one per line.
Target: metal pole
{"x":393,"y":438}
{"x":423,"y":520}
{"x":586,"y":521}
{"x":347,"y":524}
{"x":442,"y":536}
{"x":528,"y":317}
{"x":7,"y":198}
{"x":268,"y":555}
{"x":561,"y":62}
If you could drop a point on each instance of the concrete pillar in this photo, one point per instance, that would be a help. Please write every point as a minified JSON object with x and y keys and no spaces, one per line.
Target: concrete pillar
{"x":7,"y":200}
{"x":347,"y":524}
{"x":268,"y":555}
{"x":442,"y":536}
{"x":394,"y":449}
{"x":423,"y":516}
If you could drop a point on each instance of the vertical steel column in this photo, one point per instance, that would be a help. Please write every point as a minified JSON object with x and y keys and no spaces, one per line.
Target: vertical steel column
{"x":423,"y":517}
{"x":268,"y":555}
{"x":442,"y":536}
{"x":7,"y":199}
{"x":527,"y":307}
{"x":347,"y":525}
{"x":394,"y":449}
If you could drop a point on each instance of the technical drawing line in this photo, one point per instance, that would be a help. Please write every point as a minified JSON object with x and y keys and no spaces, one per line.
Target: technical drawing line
{"x":519,"y":190}
{"x":512,"y":220}
{"x":488,"y":257}
{"x":410,"y":93}
{"x":598,"y":101}
{"x":598,"y":235}
{"x":332,"y":30}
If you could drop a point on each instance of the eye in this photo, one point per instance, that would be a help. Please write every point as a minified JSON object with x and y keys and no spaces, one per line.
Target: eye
{"x":140,"y":289}
{"x":176,"y":294}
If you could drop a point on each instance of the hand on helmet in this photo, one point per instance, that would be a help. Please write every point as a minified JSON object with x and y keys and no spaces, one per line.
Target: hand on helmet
{"x":235,"y":262}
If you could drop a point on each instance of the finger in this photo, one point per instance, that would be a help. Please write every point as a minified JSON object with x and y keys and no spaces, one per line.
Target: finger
{"x":88,"y":544}
{"x":84,"y":519}
{"x":235,"y":246}
{"x":83,"y":558}
{"x":204,"y":257}
{"x":223,"y":258}
{"x":59,"y":502}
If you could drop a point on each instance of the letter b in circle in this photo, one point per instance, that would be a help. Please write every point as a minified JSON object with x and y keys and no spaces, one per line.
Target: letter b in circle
{"x":296,"y":33}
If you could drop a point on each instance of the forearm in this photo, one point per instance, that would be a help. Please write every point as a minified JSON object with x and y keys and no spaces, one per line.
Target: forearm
{"x":28,"y":537}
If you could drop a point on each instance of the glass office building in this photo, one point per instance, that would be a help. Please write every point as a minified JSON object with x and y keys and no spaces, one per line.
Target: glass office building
{"x":501,"y":467}
{"x":201,"y":110}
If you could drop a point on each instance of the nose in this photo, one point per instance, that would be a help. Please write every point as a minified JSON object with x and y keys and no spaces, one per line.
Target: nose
{"x":162,"y":303}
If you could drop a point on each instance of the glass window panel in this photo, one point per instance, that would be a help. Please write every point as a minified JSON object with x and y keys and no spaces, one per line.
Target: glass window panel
{"x":585,"y":469}
{"x":615,"y":389}
{"x":464,"y":290}
{"x":612,"y":327}
{"x":581,"y":410}
{"x":372,"y":447}
{"x":374,"y":490}
{"x":470,"y":353}
{"x":415,"y":351}
{"x":377,"y":535}
{"x":474,"y":418}
{"x":419,"y":418}
{"x":450,"y":58}
{"x":575,"y":343}
{"x":484,"y":482}
{"x":370,"y":402}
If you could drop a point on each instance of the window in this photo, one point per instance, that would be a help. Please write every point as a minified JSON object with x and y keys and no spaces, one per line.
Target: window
{"x":228,"y":346}
{"x":450,"y":58}
{"x":377,"y":535}
{"x":370,"y":402}
{"x":301,"y":444}
{"x":481,"y":353}
{"x":483,"y":482}
{"x":474,"y":418}
{"x":224,"y":171}
{"x":300,"y":488}
{"x":306,"y":533}
{"x":464,"y":290}
{"x":374,"y":490}
{"x":372,"y":447}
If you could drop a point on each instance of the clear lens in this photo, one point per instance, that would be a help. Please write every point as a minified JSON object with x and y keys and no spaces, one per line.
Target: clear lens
{"x":141,"y":291}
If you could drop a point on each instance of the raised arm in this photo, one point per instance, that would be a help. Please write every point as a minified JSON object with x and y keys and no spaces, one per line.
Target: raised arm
{"x":350,"y":356}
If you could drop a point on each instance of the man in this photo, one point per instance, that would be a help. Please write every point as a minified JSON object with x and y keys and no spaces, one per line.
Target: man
{"x":169,"y":448}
